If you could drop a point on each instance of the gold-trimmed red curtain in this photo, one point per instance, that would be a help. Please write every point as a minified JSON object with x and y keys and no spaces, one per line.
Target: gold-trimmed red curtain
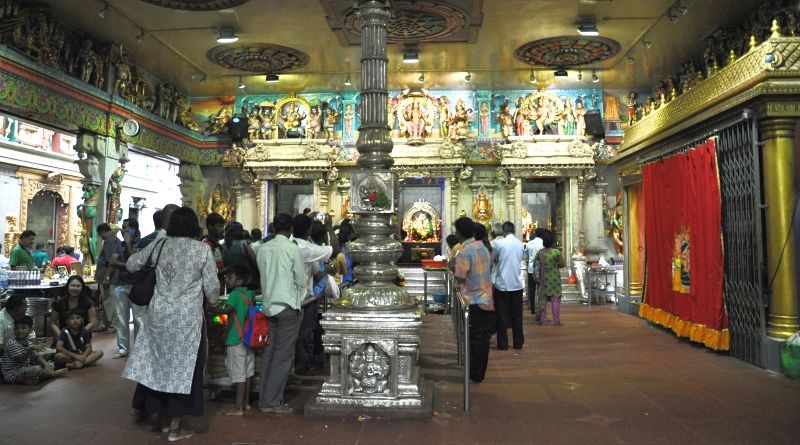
{"x":683,"y":240}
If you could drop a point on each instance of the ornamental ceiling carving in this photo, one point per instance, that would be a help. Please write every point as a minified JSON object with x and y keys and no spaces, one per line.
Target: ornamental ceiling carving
{"x":413,"y":21}
{"x":567,"y":51}
{"x":197,"y":5}
{"x":257,"y":57}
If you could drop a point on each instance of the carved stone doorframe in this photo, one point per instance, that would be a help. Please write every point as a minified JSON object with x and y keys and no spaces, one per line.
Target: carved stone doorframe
{"x":33,"y":181}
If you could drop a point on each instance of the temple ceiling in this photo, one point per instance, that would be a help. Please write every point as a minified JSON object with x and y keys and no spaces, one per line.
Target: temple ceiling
{"x":314,"y":42}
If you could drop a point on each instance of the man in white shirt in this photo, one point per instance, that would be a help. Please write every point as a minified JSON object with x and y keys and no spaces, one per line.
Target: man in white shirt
{"x":507,"y":256}
{"x":311,"y":254}
{"x":15,"y":308}
{"x":531,"y":250}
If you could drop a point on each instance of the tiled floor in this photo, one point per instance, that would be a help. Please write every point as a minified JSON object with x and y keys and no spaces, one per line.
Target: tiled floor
{"x":601,"y":378}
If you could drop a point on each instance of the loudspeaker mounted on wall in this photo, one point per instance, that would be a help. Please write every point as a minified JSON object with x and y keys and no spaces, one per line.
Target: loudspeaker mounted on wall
{"x":594,"y":124}
{"x":238,"y":127}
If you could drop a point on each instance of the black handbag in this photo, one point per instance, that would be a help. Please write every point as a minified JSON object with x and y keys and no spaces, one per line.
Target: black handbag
{"x":145,"y":280}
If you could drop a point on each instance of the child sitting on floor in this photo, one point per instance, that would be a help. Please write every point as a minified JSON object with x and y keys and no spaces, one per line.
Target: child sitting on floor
{"x":240,"y":360}
{"x":74,"y":345}
{"x":21,"y":361}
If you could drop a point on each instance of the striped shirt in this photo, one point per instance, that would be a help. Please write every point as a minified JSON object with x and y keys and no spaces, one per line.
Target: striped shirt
{"x":10,"y":366}
{"x":472,"y":265}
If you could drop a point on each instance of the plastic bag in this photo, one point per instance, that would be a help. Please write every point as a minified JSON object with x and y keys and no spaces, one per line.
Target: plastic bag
{"x":794,"y":340}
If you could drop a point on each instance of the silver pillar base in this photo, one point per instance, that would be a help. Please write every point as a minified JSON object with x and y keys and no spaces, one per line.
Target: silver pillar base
{"x":374,"y":359}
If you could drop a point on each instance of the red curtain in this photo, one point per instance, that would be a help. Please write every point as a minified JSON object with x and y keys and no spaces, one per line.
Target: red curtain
{"x":683,"y":241}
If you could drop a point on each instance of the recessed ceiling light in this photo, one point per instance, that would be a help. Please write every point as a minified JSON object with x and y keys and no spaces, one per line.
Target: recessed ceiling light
{"x":241,"y":84}
{"x":347,"y":81}
{"x":410,"y":56}
{"x":595,"y":78}
{"x":561,"y":72}
{"x":227,"y":36}
{"x":588,"y":29}
{"x":272,"y":78}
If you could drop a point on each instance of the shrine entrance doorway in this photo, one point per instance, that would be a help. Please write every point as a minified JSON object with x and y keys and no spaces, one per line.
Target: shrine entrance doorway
{"x":422,"y":218}
{"x":543,"y":206}
{"x":46,"y":213}
{"x":290,"y":196}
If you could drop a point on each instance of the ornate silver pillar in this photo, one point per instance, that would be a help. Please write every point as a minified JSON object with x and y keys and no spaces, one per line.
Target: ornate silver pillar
{"x":372,"y":335}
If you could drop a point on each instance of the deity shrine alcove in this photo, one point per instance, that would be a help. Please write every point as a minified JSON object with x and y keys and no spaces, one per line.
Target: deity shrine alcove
{"x":542,"y":207}
{"x":421,"y":201}
{"x":292,"y":196}
{"x":47,"y":213}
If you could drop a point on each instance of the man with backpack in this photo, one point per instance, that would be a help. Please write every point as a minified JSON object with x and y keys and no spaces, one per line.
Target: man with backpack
{"x":282,"y":275}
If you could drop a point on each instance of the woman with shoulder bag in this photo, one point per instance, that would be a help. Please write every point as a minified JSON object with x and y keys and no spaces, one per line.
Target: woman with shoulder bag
{"x":546,"y":267}
{"x":168,"y":359}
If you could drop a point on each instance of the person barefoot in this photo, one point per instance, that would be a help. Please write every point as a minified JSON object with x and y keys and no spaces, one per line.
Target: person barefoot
{"x":74,"y":345}
{"x":21,"y":362}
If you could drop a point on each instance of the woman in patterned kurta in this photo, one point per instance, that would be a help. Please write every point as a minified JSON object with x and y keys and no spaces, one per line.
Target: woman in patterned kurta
{"x":547,"y":265}
{"x":169,"y":354}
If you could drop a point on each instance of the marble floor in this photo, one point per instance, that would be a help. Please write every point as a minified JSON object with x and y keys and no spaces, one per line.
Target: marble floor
{"x":602,"y":378}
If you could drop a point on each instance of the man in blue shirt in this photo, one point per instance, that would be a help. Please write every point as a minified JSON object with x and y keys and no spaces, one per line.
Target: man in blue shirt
{"x":507,"y":256}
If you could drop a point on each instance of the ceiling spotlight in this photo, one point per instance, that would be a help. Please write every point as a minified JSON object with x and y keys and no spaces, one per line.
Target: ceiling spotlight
{"x":347,"y":81}
{"x":195,"y":75}
{"x":226,"y":35}
{"x":532,"y":77}
{"x":272,"y":78}
{"x":140,"y":37}
{"x":682,"y":9}
{"x":647,"y":44}
{"x":241,"y":84}
{"x":595,"y":78}
{"x":468,"y":77}
{"x":560,"y":72}
{"x":410,"y":56}
{"x":580,"y":75}
{"x":102,"y":13}
{"x":203,"y":79}
{"x":631,"y":60}
{"x":588,"y":29}
{"x":421,"y":78}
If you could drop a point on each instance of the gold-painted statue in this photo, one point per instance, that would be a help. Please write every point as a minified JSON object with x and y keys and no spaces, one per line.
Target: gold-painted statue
{"x":11,"y":237}
{"x":482,"y":208}
{"x":218,"y":123}
{"x":421,"y":223}
{"x":225,"y":207}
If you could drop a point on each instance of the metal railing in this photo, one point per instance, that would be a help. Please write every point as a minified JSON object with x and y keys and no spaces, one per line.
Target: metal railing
{"x":460,"y":315}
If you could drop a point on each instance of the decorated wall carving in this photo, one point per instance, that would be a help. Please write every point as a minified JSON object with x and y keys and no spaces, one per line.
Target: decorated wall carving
{"x":67,"y":187}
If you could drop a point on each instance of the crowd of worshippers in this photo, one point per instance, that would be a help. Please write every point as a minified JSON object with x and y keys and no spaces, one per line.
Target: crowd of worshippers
{"x":300,"y":260}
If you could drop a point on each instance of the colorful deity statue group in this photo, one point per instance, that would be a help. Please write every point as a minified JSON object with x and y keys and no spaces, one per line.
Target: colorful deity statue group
{"x":543,"y":113}
{"x":417,"y":115}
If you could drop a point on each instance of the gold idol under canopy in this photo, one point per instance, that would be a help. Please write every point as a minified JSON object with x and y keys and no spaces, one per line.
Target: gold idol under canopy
{"x":421,"y":223}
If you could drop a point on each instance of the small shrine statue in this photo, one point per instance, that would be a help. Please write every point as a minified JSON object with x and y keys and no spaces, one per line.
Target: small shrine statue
{"x":528,"y":224}
{"x":86,"y":56}
{"x":292,"y":120}
{"x":633,"y":104}
{"x":482,"y":208}
{"x":421,"y":223}
{"x":506,"y":120}
{"x":484,"y":114}
{"x":416,"y":121}
{"x":314,"y":122}
{"x":185,"y":117}
{"x":349,"y":121}
{"x":444,"y":116}
{"x":122,"y":74}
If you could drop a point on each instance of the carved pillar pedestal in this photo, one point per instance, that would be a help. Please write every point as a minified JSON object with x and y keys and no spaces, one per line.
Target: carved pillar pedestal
{"x":373,"y":332}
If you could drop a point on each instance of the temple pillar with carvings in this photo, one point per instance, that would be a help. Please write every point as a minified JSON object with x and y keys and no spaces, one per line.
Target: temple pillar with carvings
{"x":634,"y":248}
{"x":780,"y":191}
{"x":192,"y":184}
{"x":98,"y":158}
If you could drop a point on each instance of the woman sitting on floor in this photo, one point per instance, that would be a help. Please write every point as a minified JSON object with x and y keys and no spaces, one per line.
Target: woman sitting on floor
{"x":76,"y":296}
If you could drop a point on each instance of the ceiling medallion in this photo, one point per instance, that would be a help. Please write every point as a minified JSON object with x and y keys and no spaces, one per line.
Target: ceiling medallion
{"x":416,"y":21}
{"x":257,"y":57}
{"x":566,"y":51}
{"x":197,"y":5}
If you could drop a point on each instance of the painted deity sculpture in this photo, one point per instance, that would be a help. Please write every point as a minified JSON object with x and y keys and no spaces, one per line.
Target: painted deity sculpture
{"x":314,"y":128}
{"x":459,"y":123}
{"x":416,"y":120}
{"x":484,"y":114}
{"x":506,"y":120}
{"x":349,"y":121}
{"x":482,"y":208}
{"x":444,"y":116}
{"x":331,"y":120}
{"x":421,"y":223}
{"x":580,"y":121}
{"x":633,"y":104}
{"x":224,"y":206}
{"x":522,"y":117}
{"x":292,"y":120}
{"x":113,"y":192}
{"x":218,"y":123}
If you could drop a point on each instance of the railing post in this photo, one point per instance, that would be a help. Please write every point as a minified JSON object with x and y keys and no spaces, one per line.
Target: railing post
{"x":466,"y":359}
